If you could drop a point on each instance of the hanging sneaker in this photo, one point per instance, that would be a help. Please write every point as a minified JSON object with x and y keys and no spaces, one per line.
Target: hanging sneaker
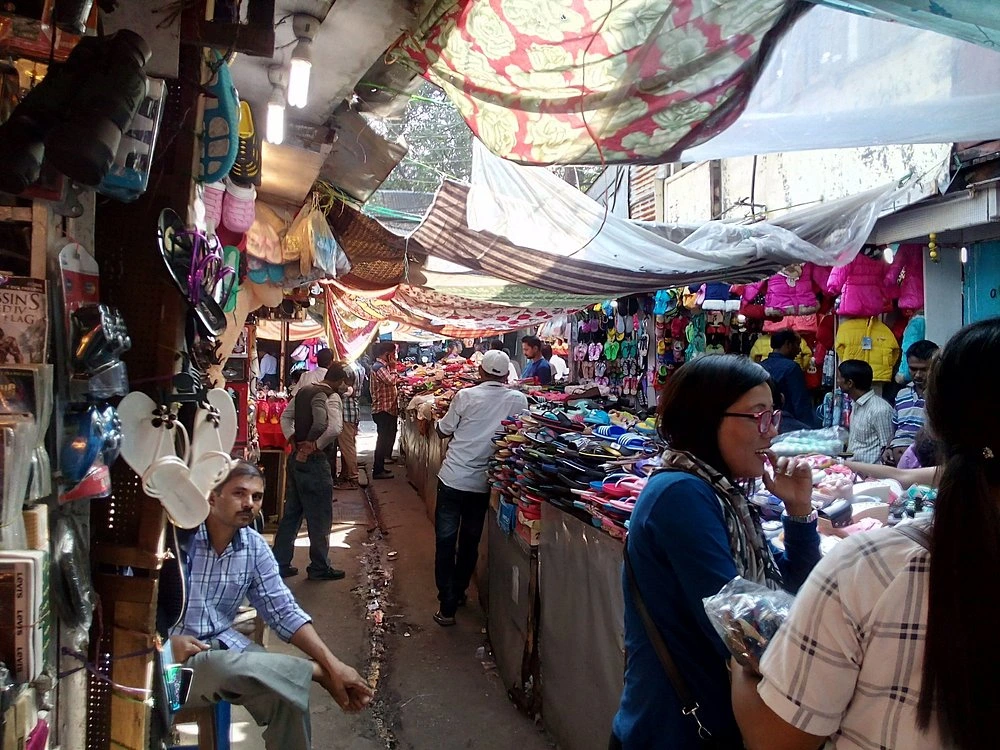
{"x":246,"y":170}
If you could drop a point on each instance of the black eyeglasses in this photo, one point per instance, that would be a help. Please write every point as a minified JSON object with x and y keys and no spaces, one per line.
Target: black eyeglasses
{"x":765,"y":419}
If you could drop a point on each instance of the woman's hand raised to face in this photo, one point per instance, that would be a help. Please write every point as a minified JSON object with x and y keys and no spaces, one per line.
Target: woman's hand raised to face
{"x":791,"y":483}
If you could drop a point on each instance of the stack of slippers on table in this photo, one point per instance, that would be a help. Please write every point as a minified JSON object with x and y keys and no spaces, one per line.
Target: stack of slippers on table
{"x":582,"y":461}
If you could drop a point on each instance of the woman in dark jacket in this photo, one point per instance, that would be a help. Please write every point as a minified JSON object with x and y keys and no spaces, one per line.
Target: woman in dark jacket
{"x":692,"y":532}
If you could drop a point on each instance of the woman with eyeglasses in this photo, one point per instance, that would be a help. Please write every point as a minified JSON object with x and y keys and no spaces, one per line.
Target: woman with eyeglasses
{"x":692,"y":531}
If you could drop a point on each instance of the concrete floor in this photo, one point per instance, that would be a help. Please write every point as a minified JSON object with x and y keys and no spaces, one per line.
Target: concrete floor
{"x":435,"y":687}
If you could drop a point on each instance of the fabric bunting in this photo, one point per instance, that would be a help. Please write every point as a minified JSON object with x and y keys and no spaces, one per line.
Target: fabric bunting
{"x":590,"y":82}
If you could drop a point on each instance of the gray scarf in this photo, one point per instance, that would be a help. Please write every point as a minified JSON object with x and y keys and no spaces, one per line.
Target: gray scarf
{"x":750,"y":550}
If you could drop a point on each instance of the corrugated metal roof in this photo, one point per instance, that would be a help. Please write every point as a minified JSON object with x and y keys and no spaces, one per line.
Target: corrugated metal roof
{"x":641,"y":194}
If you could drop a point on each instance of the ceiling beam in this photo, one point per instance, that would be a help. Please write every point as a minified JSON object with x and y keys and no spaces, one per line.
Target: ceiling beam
{"x":255,"y":38}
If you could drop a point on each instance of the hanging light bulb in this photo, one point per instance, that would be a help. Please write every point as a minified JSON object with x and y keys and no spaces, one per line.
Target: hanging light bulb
{"x":888,"y":255}
{"x":932,"y":247}
{"x":276,"y":106}
{"x":304,"y":27}
{"x":963,"y":254}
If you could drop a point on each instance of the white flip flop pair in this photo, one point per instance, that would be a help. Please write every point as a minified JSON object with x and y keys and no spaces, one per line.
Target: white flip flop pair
{"x":181,"y":481}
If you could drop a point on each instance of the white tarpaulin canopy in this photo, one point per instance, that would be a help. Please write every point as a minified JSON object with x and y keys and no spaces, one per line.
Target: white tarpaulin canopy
{"x":526,"y":225}
{"x":837,"y":80}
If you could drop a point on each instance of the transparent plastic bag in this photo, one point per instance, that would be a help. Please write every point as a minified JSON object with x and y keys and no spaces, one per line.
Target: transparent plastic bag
{"x":746,"y":616}
{"x":72,"y":585}
{"x":828,"y":441}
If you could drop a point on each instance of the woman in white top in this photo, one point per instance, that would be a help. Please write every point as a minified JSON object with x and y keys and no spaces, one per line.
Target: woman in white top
{"x":891,"y":642}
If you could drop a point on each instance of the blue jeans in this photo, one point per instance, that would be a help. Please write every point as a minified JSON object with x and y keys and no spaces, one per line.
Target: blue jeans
{"x":309,"y":495}
{"x":458,"y":526}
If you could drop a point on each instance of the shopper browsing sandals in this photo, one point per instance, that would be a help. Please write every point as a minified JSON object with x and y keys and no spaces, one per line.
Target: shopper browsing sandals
{"x":311,"y":423}
{"x":222,"y":563}
{"x":463,"y":493}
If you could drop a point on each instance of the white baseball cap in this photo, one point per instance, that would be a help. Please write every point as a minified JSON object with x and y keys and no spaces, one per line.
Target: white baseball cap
{"x":495,"y":363}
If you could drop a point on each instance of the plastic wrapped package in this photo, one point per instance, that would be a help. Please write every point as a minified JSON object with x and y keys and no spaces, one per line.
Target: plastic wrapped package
{"x":72,"y":586}
{"x":828,"y":441}
{"x":746,"y":616}
{"x":17,"y":437}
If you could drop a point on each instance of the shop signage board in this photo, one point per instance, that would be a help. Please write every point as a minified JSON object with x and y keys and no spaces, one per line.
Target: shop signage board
{"x":982,"y":282}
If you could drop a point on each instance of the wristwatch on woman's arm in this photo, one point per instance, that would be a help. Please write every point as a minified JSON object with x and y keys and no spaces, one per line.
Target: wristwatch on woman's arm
{"x":811,"y":518}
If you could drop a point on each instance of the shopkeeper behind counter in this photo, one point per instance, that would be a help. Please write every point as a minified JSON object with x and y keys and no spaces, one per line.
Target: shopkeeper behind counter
{"x":538,"y":368}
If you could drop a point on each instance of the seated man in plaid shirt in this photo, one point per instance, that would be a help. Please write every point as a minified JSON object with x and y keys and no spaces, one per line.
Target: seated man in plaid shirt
{"x":223,"y":562}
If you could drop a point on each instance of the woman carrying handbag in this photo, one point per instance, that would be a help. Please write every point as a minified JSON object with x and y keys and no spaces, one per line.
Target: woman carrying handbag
{"x":692,"y":531}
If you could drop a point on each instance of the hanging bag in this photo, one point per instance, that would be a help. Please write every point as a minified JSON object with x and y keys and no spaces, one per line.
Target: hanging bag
{"x":689,"y":706}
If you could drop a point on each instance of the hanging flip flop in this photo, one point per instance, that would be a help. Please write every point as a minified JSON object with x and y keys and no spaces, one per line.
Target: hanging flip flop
{"x":212,"y":439}
{"x":230,"y":287}
{"x":220,"y":137}
{"x":141,"y":443}
{"x":183,"y":255}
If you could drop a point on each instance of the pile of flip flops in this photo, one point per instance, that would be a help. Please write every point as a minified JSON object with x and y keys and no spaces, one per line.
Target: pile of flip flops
{"x":588,"y":462}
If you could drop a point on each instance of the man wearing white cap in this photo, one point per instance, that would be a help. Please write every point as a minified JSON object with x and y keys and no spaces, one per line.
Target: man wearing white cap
{"x":463,"y":486}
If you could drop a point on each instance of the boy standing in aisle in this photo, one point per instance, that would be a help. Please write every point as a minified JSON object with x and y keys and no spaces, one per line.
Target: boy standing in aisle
{"x":463,"y":486}
{"x":348,"y":440}
{"x":385,"y":406}
{"x":871,"y":415}
{"x":224,"y":562}
{"x":311,"y":423}
{"x":538,"y":367}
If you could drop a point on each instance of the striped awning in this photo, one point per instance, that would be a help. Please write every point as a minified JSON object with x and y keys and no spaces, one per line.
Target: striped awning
{"x":445,"y":234}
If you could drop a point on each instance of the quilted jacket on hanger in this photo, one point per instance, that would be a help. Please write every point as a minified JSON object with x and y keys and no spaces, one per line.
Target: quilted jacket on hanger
{"x":862,"y":287}
{"x":905,"y":277}
{"x":871,"y":341}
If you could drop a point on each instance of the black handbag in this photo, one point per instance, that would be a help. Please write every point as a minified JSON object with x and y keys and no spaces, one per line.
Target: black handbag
{"x":689,"y":705}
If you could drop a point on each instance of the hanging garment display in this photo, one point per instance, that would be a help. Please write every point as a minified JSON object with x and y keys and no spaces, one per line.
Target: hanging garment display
{"x":862,"y":287}
{"x":905,"y":277}
{"x":791,"y":291}
{"x":871,"y":341}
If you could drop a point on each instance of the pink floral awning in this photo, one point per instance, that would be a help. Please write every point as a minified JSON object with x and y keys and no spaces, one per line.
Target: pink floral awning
{"x":588,"y":81}
{"x":426,"y":310}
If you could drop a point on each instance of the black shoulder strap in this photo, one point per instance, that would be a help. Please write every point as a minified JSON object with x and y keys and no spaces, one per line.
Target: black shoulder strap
{"x":689,"y":706}
{"x":918,"y":533}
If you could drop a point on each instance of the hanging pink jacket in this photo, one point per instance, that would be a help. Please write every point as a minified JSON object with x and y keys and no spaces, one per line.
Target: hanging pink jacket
{"x":790,"y":296}
{"x":905,"y":277}
{"x":862,"y":287}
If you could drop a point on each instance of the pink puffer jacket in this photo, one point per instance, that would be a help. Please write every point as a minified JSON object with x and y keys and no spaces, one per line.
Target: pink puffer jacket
{"x":905,"y":277}
{"x":792,"y":291}
{"x":862,"y":287}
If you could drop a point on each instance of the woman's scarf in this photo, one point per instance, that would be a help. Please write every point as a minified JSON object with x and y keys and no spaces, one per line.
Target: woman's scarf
{"x":751,"y":553}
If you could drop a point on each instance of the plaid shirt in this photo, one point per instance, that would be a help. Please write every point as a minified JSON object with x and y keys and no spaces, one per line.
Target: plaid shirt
{"x":219,"y":583}
{"x":352,"y":409}
{"x":385,"y":397}
{"x":848,"y":662}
